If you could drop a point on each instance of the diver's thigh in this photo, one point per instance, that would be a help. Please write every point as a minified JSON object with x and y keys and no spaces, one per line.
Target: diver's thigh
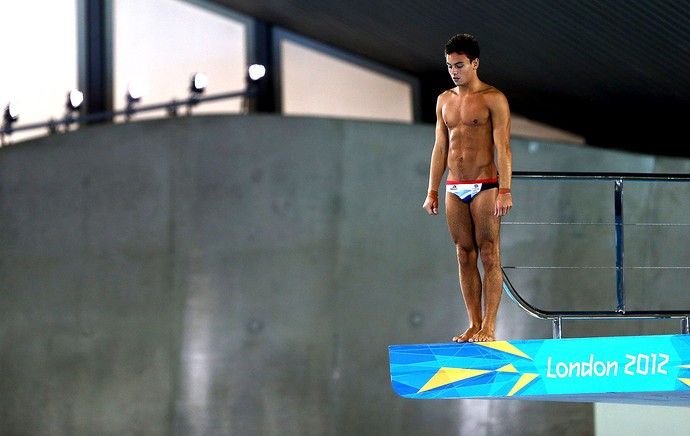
{"x":487,"y":225}
{"x":459,"y":219}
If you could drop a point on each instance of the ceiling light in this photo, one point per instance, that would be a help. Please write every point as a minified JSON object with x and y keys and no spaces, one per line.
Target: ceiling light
{"x":256,"y":71}
{"x":134,"y":92}
{"x":199,"y":83}
{"x":11,"y":112}
{"x":74,"y":100}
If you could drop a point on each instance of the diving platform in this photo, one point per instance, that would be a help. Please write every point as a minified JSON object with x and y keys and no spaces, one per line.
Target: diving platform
{"x":653,"y":370}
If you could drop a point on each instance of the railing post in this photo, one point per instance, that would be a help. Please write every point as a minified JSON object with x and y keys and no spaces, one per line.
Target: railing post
{"x":557,"y":328}
{"x":618,"y":210}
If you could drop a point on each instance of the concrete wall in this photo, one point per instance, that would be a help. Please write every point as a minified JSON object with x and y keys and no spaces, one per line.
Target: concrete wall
{"x":233,"y":275}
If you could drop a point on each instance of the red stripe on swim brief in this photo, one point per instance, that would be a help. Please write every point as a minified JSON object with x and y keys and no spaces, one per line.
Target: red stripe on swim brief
{"x":469,"y":182}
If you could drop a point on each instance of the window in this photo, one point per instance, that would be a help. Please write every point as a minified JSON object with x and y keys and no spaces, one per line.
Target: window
{"x":159,"y":44}
{"x":40,"y":68}
{"x":316,"y":83}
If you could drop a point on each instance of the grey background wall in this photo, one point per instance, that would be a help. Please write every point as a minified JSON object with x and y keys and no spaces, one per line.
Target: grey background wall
{"x":245,"y":275}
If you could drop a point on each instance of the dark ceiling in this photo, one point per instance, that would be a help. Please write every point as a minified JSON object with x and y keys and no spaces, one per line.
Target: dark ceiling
{"x":614,"y":71}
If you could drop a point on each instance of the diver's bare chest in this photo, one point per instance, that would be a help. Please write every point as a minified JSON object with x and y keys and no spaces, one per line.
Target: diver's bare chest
{"x":466,"y":112}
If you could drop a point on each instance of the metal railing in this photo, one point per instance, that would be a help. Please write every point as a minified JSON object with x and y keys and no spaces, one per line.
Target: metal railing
{"x":172,"y":107}
{"x":620,"y":313}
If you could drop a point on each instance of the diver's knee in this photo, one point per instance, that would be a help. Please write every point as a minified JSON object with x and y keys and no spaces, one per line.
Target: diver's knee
{"x":489,"y":253}
{"x":466,"y":255}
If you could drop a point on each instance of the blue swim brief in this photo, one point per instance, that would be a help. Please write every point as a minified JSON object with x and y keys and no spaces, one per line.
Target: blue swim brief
{"x":468,"y":189}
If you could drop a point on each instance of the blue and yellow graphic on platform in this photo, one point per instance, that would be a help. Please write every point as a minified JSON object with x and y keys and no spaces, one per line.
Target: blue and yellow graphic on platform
{"x":579,"y":368}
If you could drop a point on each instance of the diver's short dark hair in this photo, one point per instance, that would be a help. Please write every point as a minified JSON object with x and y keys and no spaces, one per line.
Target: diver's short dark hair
{"x":463,"y":43}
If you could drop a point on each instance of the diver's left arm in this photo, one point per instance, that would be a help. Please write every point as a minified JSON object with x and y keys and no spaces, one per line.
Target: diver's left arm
{"x":500,"y":118}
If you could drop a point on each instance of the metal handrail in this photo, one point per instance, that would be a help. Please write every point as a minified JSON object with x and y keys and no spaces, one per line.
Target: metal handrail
{"x":171,"y":106}
{"x":620,"y":313}
{"x":558,"y":316}
{"x":599,"y":176}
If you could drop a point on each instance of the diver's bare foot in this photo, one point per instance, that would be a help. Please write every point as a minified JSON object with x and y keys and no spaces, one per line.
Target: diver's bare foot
{"x":483,"y":336}
{"x":465,"y":337}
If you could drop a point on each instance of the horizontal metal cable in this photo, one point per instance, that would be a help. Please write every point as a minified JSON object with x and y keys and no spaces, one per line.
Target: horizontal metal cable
{"x":535,"y":223}
{"x":595,"y":267}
